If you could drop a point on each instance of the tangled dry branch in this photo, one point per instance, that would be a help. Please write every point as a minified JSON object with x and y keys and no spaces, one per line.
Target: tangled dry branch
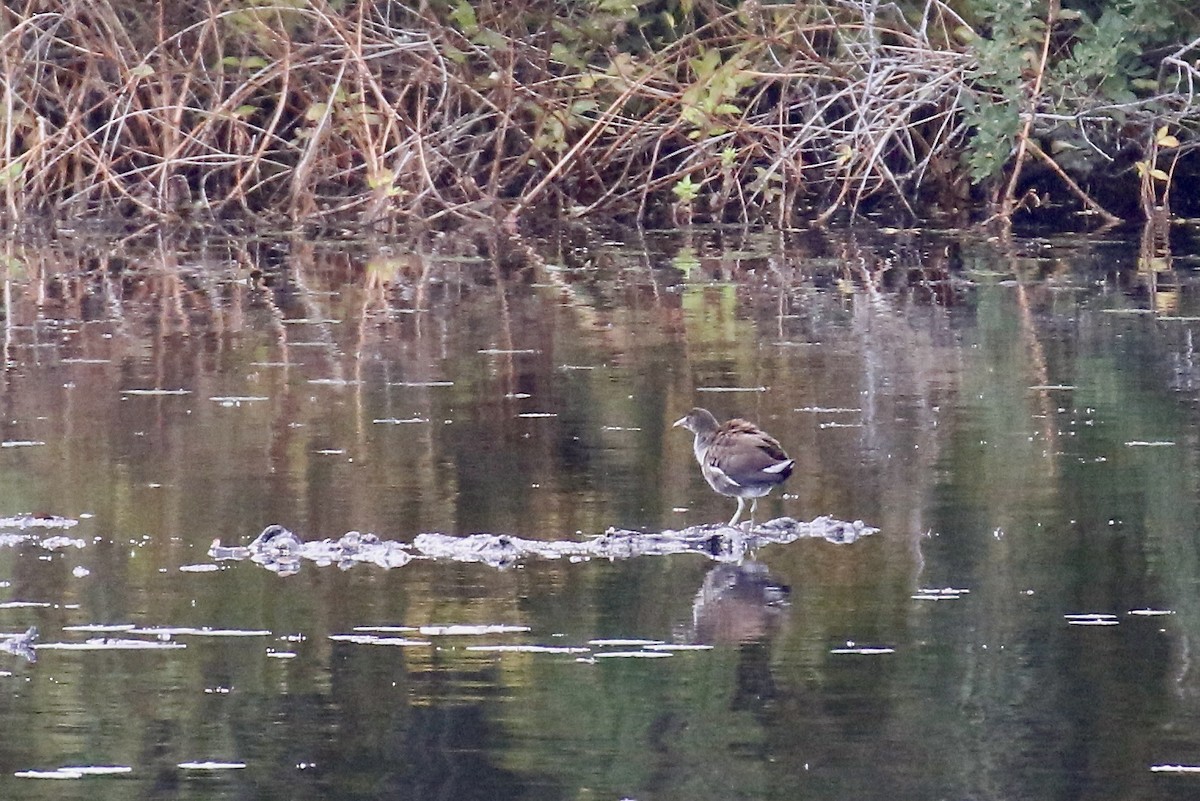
{"x":370,"y":111}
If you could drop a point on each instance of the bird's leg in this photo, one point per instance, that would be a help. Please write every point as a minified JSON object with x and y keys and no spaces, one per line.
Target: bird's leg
{"x":741,"y":507}
{"x":753,"y":509}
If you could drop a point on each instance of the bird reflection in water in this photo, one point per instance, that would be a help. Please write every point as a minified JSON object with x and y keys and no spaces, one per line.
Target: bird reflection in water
{"x":740,"y":604}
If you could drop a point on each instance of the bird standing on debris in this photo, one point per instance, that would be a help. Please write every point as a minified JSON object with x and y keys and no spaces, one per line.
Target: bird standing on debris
{"x":737,"y":458}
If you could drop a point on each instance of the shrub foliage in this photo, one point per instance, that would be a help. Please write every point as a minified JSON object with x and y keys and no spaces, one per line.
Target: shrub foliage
{"x":323,"y":111}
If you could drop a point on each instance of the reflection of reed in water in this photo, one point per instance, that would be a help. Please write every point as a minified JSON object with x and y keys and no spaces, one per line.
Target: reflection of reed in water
{"x":738,"y":604}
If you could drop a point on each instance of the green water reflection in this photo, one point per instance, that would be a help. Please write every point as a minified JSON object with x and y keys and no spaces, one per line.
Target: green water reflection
{"x":1020,"y":422}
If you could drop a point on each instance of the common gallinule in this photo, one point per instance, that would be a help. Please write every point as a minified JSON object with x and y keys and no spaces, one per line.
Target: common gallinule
{"x":737,"y":458}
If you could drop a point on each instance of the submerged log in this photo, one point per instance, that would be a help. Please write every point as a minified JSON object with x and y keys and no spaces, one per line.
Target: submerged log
{"x":279,"y":550}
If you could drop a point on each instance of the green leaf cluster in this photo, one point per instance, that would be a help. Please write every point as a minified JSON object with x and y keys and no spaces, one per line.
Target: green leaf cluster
{"x":1097,"y":58}
{"x":710,"y":99}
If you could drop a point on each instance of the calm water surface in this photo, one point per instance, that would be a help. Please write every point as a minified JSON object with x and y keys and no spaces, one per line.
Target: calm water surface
{"x":1020,"y":422}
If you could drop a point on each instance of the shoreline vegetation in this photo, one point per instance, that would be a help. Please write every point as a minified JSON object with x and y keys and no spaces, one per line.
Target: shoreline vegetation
{"x":317,"y":112}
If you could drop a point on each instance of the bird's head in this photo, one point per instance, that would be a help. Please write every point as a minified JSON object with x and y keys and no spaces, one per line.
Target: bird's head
{"x":698,"y":421}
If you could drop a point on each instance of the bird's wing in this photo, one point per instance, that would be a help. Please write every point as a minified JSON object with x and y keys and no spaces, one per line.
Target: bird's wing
{"x":746,"y":450}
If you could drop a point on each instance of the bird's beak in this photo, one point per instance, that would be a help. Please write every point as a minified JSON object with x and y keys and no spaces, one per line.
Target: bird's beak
{"x":679,"y":422}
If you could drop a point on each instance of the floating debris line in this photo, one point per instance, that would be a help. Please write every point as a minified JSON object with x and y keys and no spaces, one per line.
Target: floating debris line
{"x":20,"y":644}
{"x":23,"y":522}
{"x":281,"y":551}
{"x":112,"y":644}
{"x":238,"y":400}
{"x":528,"y":649}
{"x":1092,"y":619}
{"x":53,"y":543}
{"x":939,"y":594}
{"x":863,"y":650}
{"x":731,"y":389}
{"x":74,"y":772}
{"x":372,"y":639}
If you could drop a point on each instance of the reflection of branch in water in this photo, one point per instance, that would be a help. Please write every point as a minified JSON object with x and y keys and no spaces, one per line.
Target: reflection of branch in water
{"x":8,"y":322}
{"x":317,"y":317}
{"x":1046,"y":411}
{"x":904,"y":372}
{"x":1155,"y":263}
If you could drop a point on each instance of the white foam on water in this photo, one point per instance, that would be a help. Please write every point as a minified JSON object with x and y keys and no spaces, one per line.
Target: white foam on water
{"x":864,"y":650}
{"x":679,"y":647}
{"x":468,"y":630}
{"x":385,"y":629}
{"x":529,"y":649}
{"x":101,"y":628}
{"x":939,"y":594}
{"x":110,"y":644}
{"x":368,"y":639}
{"x":32,"y":521}
{"x":1092,"y":619}
{"x":212,"y":765}
{"x":58,"y":773}
{"x":202,"y":631}
{"x":59,"y":541}
{"x":206,"y":567}
{"x":731,"y":389}
{"x":156,"y":391}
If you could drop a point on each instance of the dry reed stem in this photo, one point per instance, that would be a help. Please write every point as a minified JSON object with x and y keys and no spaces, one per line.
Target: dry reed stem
{"x":371,"y":112}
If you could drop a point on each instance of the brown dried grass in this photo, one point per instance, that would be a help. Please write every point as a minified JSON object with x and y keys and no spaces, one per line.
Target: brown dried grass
{"x":316,"y":112}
